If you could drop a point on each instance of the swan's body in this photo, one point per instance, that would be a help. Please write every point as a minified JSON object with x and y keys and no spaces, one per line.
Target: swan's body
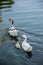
{"x":17,"y":45}
{"x":12,"y":31}
{"x":26,"y":46}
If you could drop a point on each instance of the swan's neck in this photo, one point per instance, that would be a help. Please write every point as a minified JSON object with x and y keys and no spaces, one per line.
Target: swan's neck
{"x":25,"y":40}
{"x":12,"y":22}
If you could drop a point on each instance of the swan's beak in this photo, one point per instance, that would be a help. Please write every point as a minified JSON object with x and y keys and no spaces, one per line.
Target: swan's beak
{"x":10,"y":19}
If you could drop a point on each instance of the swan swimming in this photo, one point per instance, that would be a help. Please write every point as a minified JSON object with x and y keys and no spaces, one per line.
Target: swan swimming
{"x":26,"y":46}
{"x":17,"y":45}
{"x":12,"y":31}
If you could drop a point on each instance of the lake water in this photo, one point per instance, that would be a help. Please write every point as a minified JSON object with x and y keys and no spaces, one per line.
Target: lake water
{"x":28,"y":19}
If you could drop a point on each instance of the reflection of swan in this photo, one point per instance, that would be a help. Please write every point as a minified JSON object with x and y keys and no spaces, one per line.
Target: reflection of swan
{"x":17,"y":45}
{"x":29,"y":54}
{"x":12,"y":31}
{"x":26,"y":46}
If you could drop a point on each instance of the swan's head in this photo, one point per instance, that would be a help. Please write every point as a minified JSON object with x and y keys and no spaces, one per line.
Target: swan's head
{"x":23,"y":37}
{"x":11,"y":20}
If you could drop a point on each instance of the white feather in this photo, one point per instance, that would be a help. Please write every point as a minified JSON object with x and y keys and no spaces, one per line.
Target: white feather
{"x":12,"y":31}
{"x":26,"y":46}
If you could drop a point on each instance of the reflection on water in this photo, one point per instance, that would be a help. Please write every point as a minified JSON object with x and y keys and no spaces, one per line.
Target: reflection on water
{"x":0,"y":16}
{"x":28,"y":17}
{"x":0,"y":20}
{"x":3,"y":36}
{"x":5,"y":3}
{"x":29,"y":54}
{"x":15,"y":38}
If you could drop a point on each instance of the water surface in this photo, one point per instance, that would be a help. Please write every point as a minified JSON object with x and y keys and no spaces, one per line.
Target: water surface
{"x":28,"y":19}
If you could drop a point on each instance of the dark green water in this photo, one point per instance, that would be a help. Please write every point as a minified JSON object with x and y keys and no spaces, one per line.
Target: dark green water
{"x":28,"y":17}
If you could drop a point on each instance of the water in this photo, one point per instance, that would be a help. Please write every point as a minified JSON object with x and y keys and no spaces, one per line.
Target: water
{"x":28,"y":17}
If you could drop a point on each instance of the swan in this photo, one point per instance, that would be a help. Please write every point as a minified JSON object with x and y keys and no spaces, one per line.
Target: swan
{"x":12,"y":31}
{"x":26,"y":46}
{"x":17,"y":45}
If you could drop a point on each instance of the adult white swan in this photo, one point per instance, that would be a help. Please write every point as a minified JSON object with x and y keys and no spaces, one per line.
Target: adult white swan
{"x":12,"y":31}
{"x":26,"y":46}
